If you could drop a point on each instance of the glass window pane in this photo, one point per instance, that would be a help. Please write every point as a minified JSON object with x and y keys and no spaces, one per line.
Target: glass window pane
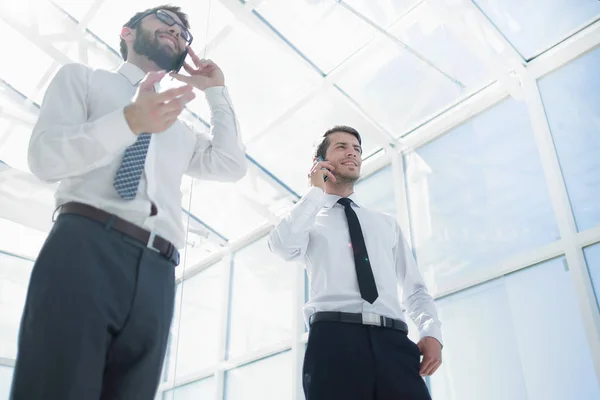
{"x":571,"y":100}
{"x":592,"y":258}
{"x":197,"y":324}
{"x":235,"y":209}
{"x":263,"y":75}
{"x":377,"y":191}
{"x":25,"y":74}
{"x":502,"y":340}
{"x":325,"y":32}
{"x":396,"y":88}
{"x":14,"y":280}
{"x":295,"y":139}
{"x":382,"y":12}
{"x":266,"y":379}
{"x":477,"y":196}
{"x":533,"y":26}
{"x":426,"y":30}
{"x":6,"y":374}
{"x":202,"y":389}
{"x":261,"y":299}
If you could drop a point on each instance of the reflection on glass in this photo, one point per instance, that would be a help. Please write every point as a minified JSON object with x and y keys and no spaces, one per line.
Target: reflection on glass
{"x":266,"y":379}
{"x":502,"y":340}
{"x":261,"y":300}
{"x":325,"y":32}
{"x":197,"y":324}
{"x":533,"y":27}
{"x":571,"y":100}
{"x":592,"y":258}
{"x":477,"y":196}
{"x":14,"y":280}
{"x":297,"y":136}
{"x":377,"y":192}
{"x":202,"y":389}
{"x":6,"y":374}
{"x":396,"y":88}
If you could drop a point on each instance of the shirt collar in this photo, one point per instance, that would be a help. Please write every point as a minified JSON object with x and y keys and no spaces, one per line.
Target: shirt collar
{"x":331,"y":200}
{"x":134,"y":74}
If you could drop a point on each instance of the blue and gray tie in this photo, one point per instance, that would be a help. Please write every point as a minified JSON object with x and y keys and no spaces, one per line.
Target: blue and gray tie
{"x":129,"y":174}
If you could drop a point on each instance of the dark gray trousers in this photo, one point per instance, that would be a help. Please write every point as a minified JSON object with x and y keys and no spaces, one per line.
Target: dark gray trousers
{"x":96,"y":319}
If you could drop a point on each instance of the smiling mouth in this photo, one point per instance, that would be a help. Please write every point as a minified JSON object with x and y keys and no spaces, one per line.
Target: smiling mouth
{"x":349,"y":164}
{"x":170,"y":39}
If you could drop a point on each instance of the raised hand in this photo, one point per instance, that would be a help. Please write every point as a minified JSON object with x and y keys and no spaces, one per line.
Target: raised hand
{"x":153,"y":112}
{"x":206,"y":74}
{"x":317,"y":174}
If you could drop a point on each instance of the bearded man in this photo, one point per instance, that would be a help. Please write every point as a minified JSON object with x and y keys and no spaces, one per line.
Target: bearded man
{"x":101,"y":295}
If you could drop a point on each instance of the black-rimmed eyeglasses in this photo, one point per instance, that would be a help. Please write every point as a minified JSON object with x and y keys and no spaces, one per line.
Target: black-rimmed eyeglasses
{"x":166,"y":18}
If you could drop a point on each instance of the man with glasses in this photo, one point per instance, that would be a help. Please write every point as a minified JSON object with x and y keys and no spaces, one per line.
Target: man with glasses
{"x":101,"y":294}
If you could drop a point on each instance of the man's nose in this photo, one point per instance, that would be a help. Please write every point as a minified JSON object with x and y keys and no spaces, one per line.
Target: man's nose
{"x":175,"y":30}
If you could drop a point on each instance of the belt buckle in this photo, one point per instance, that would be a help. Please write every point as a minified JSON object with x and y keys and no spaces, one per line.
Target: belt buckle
{"x":371,"y":319}
{"x":150,"y":243}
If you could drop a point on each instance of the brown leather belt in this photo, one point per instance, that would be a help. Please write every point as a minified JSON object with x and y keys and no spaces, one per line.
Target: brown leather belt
{"x":150,"y":240}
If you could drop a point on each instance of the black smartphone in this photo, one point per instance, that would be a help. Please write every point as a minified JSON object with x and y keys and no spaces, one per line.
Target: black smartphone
{"x":320,"y":159}
{"x":181,"y":61}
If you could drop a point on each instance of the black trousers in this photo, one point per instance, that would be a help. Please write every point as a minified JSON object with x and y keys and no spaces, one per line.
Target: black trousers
{"x":360,"y":362}
{"x":96,"y":319}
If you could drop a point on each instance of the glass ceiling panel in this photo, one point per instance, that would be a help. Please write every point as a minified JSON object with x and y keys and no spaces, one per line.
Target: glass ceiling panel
{"x":287,"y":149}
{"x":534,"y":26}
{"x":262,"y":77}
{"x":425,"y":31}
{"x":382,"y":12}
{"x":323,"y":31}
{"x":397,"y":88}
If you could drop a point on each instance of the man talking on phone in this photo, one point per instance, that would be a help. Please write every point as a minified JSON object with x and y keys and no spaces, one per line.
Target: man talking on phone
{"x":100,"y":299}
{"x":356,"y":259}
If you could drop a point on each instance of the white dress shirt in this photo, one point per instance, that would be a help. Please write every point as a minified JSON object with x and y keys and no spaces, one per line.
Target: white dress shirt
{"x":81,"y":136}
{"x":316,"y":232}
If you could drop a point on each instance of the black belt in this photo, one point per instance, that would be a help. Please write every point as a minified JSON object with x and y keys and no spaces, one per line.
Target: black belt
{"x":364,"y":319}
{"x":150,"y":240}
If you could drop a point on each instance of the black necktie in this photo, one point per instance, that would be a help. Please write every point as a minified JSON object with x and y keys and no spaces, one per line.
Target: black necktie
{"x":364,"y":273}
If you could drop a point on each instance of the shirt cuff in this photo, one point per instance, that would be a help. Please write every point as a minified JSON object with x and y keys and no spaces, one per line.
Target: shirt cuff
{"x":217,"y":96}
{"x":112,"y":131}
{"x":432,"y":330}
{"x":315,"y":196}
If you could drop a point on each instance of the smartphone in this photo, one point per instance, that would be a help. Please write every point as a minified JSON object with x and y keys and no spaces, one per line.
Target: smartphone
{"x":320,"y":159}
{"x":181,"y":61}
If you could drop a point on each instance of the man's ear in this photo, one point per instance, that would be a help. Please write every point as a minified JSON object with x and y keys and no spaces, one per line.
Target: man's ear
{"x":127,"y":33}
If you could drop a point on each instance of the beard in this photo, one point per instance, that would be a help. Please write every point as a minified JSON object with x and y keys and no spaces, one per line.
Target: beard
{"x":345,"y":179}
{"x":162,"y":55}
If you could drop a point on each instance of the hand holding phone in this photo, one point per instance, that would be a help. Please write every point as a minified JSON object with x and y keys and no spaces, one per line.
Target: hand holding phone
{"x":320,"y":173}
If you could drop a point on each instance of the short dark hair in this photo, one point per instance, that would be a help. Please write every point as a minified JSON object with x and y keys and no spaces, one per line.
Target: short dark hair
{"x":325,"y":142}
{"x":132,"y":21}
